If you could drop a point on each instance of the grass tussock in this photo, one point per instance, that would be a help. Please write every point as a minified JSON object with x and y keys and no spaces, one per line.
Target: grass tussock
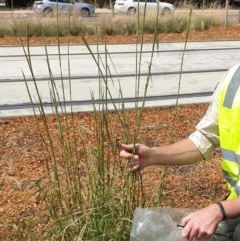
{"x":119,"y":24}
{"x":86,"y":194}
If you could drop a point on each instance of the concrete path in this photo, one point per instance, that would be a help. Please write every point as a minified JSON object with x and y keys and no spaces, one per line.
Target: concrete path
{"x":204,"y":63}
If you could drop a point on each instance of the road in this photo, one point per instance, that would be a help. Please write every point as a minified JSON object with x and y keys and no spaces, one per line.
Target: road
{"x":196,"y":68}
{"x":232,"y":15}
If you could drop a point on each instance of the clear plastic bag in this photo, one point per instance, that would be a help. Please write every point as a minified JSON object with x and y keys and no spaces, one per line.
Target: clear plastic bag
{"x":159,"y":224}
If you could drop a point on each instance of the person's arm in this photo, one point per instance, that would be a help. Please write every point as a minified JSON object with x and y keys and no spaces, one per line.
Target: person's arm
{"x":232,"y":207}
{"x":180,"y":153}
{"x":199,"y":145}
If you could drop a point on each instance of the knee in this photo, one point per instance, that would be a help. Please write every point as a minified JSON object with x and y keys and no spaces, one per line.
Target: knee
{"x":236,"y":234}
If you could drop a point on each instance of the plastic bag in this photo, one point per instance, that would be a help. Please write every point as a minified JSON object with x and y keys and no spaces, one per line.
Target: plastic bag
{"x":159,"y":224}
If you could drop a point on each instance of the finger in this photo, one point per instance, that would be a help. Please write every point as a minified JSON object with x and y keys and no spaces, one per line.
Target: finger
{"x":134,"y":168}
{"x":126,"y":154}
{"x":188,"y":233}
{"x":135,"y":165}
{"x":130,"y":147}
{"x":185,"y":233}
{"x":192,"y":236}
{"x":201,"y":236}
{"x":127,"y":147}
{"x":186,"y":219}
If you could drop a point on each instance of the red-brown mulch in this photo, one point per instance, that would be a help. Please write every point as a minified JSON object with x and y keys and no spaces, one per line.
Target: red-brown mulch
{"x":22,"y":160}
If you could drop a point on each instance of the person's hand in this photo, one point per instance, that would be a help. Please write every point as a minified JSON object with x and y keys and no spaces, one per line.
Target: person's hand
{"x":140,"y":155}
{"x":201,"y":224}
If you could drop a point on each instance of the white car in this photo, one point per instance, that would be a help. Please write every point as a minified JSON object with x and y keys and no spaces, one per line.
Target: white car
{"x":132,"y":6}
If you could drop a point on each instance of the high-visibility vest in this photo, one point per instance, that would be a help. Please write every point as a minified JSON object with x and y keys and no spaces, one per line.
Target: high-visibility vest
{"x":229,"y":129}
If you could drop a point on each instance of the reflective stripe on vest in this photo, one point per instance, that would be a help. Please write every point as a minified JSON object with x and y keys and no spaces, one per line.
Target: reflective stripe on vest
{"x":229,"y":129}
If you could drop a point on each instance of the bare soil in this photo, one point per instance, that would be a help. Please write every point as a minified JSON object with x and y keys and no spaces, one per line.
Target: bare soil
{"x":22,"y":160}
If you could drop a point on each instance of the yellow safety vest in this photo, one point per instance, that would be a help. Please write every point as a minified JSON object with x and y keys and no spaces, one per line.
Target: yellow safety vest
{"x":229,"y":130}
